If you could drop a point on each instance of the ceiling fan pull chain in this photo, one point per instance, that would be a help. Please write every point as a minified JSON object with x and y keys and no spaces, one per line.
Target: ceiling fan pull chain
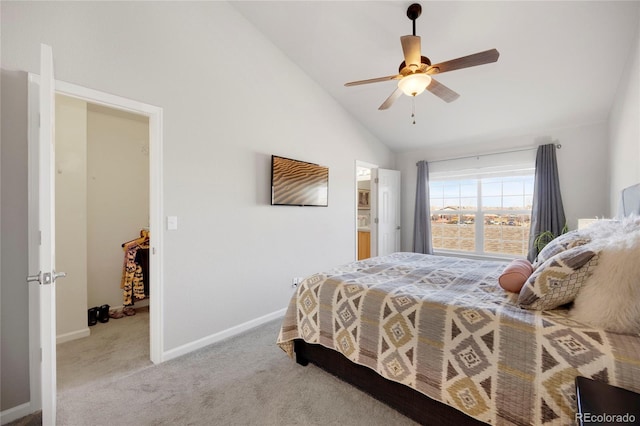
{"x":413,"y":109}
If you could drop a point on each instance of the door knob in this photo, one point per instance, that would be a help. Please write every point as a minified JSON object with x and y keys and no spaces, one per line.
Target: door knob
{"x":34,"y":278}
{"x":46,"y":278}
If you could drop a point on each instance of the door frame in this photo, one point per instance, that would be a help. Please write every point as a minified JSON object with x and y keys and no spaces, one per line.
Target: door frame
{"x":156,"y":214}
{"x":373,"y":211}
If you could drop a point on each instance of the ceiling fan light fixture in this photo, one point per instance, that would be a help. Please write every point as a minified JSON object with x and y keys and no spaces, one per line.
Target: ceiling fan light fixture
{"x":414,"y":84}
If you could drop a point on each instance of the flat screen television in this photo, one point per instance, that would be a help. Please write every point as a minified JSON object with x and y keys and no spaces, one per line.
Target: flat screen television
{"x":298,"y":183}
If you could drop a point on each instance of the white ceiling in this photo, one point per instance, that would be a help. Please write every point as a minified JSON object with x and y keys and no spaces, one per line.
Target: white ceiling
{"x":559,"y":66}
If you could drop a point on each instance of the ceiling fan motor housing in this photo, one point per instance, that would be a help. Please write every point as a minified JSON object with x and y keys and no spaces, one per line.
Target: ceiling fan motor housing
{"x":423,"y":59}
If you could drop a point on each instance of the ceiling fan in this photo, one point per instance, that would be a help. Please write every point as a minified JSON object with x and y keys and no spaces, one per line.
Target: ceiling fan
{"x":415,"y":71}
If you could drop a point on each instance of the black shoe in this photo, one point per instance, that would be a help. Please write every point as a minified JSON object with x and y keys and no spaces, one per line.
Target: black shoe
{"x":103,"y":313}
{"x":93,"y":315}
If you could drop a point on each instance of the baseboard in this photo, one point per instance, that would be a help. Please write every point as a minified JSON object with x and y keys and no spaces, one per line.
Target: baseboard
{"x":16,"y":413}
{"x":67,"y":337}
{"x":217,"y":337}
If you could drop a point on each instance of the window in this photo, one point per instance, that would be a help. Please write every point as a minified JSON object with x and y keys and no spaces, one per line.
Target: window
{"x":482,"y":211}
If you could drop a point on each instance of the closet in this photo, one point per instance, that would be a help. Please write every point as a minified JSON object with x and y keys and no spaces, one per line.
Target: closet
{"x":102,"y":201}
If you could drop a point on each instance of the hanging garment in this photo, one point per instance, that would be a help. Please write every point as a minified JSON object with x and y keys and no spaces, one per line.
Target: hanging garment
{"x":132,"y":282}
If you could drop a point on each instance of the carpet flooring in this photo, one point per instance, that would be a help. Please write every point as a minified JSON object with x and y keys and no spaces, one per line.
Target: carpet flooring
{"x":107,"y":379}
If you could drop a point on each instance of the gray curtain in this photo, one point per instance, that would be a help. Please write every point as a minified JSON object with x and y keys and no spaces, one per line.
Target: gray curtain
{"x":547,"y":213}
{"x":422,"y":218}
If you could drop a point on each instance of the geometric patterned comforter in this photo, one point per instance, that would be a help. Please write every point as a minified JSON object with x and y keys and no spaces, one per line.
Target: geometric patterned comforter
{"x":444,"y":327}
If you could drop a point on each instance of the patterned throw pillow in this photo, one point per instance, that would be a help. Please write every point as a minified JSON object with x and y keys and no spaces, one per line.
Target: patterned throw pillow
{"x":558,"y":280}
{"x":564,"y":242}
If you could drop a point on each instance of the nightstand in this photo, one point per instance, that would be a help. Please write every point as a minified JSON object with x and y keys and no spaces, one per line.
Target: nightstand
{"x":599,"y":403}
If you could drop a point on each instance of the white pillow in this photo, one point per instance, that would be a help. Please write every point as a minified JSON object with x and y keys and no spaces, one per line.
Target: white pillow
{"x":603,"y":229}
{"x":610,"y":297}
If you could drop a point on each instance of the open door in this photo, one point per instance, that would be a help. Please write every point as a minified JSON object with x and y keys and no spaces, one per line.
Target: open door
{"x":386,"y":198}
{"x":42,"y":270}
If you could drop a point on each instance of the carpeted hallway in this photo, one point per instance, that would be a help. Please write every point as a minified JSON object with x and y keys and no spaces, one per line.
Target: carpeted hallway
{"x":107,"y":379}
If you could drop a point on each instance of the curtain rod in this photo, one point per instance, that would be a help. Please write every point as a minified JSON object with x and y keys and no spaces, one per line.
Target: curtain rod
{"x":558,"y":146}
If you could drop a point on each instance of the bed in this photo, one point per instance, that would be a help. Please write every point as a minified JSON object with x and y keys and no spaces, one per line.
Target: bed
{"x":437,"y":339}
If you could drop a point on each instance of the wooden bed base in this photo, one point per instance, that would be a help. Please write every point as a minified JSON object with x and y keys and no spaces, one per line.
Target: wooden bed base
{"x":405,"y":400}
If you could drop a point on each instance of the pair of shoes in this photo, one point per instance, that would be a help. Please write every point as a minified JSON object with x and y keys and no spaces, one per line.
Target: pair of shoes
{"x":128,"y":311}
{"x":93,"y":316}
{"x":98,"y":314}
{"x":115,"y":314}
{"x":103,"y":313}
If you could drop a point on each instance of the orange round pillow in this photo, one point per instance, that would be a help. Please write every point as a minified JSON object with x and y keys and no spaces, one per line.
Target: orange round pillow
{"x":515,"y":275}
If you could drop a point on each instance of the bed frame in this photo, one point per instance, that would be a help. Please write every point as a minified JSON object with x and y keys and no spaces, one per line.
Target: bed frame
{"x":404,"y":399}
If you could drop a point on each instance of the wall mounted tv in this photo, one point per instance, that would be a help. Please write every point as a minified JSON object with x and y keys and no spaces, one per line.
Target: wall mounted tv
{"x":298,"y":183}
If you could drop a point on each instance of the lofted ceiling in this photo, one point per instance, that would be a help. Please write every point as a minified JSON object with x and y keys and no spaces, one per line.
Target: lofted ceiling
{"x":560,"y":61}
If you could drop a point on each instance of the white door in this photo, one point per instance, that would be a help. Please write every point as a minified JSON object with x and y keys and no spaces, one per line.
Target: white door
{"x":43,"y":271}
{"x":387,"y":207}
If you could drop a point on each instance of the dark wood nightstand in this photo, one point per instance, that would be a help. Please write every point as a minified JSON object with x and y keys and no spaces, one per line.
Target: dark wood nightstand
{"x":602,"y":404}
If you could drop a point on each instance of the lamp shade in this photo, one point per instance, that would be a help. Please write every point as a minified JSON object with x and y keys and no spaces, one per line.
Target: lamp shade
{"x":414,"y":84}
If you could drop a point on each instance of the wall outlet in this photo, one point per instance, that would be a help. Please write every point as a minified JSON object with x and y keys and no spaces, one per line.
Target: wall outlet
{"x":295,"y":281}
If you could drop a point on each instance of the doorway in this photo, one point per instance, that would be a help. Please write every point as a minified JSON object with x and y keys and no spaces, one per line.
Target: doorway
{"x":153,"y":114}
{"x":377,"y":199}
{"x":365,"y":211}
{"x":363,"y":182}
{"x":40,"y":389}
{"x":102,"y":200}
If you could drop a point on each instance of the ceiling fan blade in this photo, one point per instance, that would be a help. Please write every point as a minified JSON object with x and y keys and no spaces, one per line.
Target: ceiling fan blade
{"x":480,"y":58}
{"x":391,"y":99}
{"x":373,"y":80}
{"x":411,"y":50}
{"x":442,"y":91}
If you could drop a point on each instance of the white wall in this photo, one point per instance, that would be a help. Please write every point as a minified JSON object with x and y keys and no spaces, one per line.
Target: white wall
{"x":71,"y":217}
{"x":230,"y":100}
{"x":582,"y":165}
{"x":14,"y":291}
{"x":624,"y":129}
{"x":118,"y":196}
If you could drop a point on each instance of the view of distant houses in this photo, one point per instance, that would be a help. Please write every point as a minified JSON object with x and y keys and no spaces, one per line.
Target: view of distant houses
{"x":455,"y":217}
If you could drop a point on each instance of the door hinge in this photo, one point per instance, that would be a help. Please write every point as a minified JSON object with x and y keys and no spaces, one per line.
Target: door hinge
{"x":376,"y":180}
{"x":375,"y":220}
{"x":39,"y":238}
